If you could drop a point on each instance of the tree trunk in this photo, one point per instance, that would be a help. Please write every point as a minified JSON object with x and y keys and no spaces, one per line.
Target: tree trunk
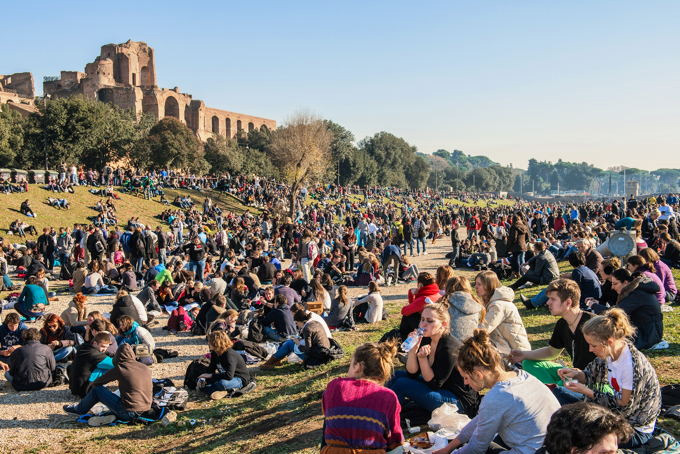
{"x":293,"y":195}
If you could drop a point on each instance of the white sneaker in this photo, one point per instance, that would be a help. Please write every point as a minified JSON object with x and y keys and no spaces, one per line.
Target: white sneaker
{"x":98,"y":421}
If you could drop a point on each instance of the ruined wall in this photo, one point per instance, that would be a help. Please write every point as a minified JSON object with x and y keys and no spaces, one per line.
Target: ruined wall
{"x":19,"y":83}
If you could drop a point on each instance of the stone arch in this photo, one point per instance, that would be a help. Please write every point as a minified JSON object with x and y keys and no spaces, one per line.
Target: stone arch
{"x":215,"y":124}
{"x":150,"y":105}
{"x":251,"y":126}
{"x":189,"y":118}
{"x":228,"y":127}
{"x":145,"y":76}
{"x":239,"y":126}
{"x":171,"y":107}
{"x":264,"y":128}
{"x":105,"y":95}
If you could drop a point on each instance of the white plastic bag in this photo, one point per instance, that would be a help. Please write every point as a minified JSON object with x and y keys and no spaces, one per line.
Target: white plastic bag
{"x":447,"y":417}
{"x":437,"y":443}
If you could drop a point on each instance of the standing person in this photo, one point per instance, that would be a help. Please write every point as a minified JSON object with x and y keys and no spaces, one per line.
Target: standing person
{"x":361,"y":396}
{"x":518,"y":237}
{"x":196,"y":251}
{"x":456,"y":239}
{"x":134,"y":383}
{"x":637,"y":395}
{"x":46,"y":246}
{"x":517,"y":408}
{"x":162,"y":244}
{"x":408,"y":235}
{"x":96,"y":244}
{"x":65,"y":245}
{"x":391,"y":258}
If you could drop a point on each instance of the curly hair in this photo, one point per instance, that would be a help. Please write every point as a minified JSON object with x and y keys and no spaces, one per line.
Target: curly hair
{"x":219,"y":341}
{"x":576,"y":428}
{"x":377,"y":359}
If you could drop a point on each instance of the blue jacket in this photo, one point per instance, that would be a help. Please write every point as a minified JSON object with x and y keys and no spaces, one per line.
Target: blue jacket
{"x":588,"y":282}
{"x":391,"y":250}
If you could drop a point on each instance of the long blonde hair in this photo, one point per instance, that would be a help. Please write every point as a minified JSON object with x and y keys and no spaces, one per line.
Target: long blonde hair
{"x":490,"y":282}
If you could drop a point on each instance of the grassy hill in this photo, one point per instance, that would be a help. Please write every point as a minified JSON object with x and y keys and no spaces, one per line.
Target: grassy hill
{"x":83,"y":203}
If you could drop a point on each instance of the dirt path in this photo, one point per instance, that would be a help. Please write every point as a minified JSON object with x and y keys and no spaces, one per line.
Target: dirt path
{"x":35,"y":420}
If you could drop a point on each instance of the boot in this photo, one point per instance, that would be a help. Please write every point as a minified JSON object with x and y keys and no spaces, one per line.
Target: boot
{"x":271,"y":363}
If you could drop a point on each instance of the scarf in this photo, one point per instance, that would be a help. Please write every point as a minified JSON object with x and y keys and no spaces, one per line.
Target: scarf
{"x":131,"y":335}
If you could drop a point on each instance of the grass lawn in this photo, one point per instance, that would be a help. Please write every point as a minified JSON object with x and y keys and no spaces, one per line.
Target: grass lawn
{"x":82,"y":207}
{"x":284,"y":414}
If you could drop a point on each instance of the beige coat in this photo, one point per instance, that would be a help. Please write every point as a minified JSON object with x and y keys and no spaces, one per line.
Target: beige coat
{"x":504,"y":323}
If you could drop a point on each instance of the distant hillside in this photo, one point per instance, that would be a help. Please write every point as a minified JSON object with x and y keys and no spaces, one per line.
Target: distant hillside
{"x":463,"y":161}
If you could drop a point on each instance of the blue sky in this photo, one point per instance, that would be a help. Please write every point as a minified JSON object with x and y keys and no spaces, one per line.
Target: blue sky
{"x":595,"y":81}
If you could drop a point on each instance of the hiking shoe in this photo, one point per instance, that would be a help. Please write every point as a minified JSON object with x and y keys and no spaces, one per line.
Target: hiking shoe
{"x":217,"y":395}
{"x":245,"y":390}
{"x":527,"y":302}
{"x":98,"y":421}
{"x":71,"y":409}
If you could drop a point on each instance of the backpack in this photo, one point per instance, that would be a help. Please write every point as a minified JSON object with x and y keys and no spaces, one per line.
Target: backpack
{"x":321,"y":355}
{"x":195,"y":369}
{"x":256,"y":331}
{"x":251,"y":348}
{"x":670,"y":397}
{"x":143,"y":354}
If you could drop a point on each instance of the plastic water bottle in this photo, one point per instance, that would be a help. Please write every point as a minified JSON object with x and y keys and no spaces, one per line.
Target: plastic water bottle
{"x":411,"y":340}
{"x":428,"y":300}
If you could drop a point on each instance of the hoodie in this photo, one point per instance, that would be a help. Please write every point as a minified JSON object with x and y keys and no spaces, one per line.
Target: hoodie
{"x":503,"y":322}
{"x":134,"y":380}
{"x":465,"y":315}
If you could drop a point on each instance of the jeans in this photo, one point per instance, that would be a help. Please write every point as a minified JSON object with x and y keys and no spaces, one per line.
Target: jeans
{"x":6,"y":281}
{"x":638,"y":439}
{"x":516,"y":261}
{"x":565,"y":397}
{"x":420,"y":241}
{"x":223,"y":385}
{"x":139,"y":263}
{"x":112,"y":401}
{"x":63,"y":353}
{"x":540,"y":299}
{"x":273,"y":334}
{"x":417,"y":390}
{"x":197,"y":267}
{"x":409,"y":244}
{"x":99,"y":289}
{"x":162,"y":256}
{"x":286,"y":349}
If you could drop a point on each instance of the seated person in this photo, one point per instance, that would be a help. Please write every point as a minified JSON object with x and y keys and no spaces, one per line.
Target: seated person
{"x":133,"y":333}
{"x":370,"y":307}
{"x":75,"y":315}
{"x":278,"y":323}
{"x":410,"y":314}
{"x":517,"y":408}
{"x":340,"y":315}
{"x":89,"y":357}
{"x":502,"y":320}
{"x":227,"y":371}
{"x":347,"y":400}
{"x":585,"y":428}
{"x":431,"y":378}
{"x":134,"y":383}
{"x":10,"y":334}
{"x":587,"y":280}
{"x":26,"y":209}
{"x":563,"y":297}
{"x":662,"y":271}
{"x":124,"y":305}
{"x":542,"y":270}
{"x":32,"y":299}
{"x":637,"y":298}
{"x":313,"y":338}
{"x":94,"y":282}
{"x":32,"y":365}
{"x":621,"y":366}
{"x":56,"y":335}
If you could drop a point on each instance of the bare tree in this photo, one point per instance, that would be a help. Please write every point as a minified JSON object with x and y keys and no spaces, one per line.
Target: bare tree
{"x":300,"y":149}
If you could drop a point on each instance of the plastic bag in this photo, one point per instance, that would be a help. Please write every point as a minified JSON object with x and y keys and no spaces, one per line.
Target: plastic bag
{"x":437,"y":444}
{"x":447,"y":416}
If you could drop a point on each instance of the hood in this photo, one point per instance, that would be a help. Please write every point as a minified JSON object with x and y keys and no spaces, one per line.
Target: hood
{"x":465,"y":303}
{"x":642,"y":283}
{"x":124,"y":356}
{"x":428,"y":290}
{"x":503,"y":294}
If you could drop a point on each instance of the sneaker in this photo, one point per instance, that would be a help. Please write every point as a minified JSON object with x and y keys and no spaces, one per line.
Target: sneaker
{"x":98,"y":421}
{"x":527,"y":302}
{"x":245,"y":390}
{"x":70,"y":409}
{"x":666,"y":308}
{"x":217,"y":395}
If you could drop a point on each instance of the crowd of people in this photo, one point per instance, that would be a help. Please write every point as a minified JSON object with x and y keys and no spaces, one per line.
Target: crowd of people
{"x":266,"y":288}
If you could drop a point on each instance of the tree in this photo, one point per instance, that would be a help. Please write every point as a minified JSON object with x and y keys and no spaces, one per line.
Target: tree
{"x":171,"y":144}
{"x":12,"y":126}
{"x":301,"y":151}
{"x":393,"y":156}
{"x":418,"y":172}
{"x":223,"y":155}
{"x":342,"y":151}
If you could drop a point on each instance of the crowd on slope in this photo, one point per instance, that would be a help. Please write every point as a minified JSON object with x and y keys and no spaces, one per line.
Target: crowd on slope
{"x":222,"y":275}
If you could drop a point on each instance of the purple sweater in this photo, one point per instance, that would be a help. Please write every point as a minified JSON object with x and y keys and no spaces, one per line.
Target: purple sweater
{"x":664,"y":273}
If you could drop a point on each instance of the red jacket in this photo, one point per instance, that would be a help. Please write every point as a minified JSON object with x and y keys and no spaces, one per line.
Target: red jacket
{"x":416,"y":301}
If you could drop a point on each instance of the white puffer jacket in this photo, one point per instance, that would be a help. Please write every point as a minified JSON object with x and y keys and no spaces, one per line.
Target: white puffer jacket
{"x":504,"y":323}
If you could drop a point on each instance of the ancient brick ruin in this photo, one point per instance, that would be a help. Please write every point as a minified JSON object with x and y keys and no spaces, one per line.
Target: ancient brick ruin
{"x":125,"y":75}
